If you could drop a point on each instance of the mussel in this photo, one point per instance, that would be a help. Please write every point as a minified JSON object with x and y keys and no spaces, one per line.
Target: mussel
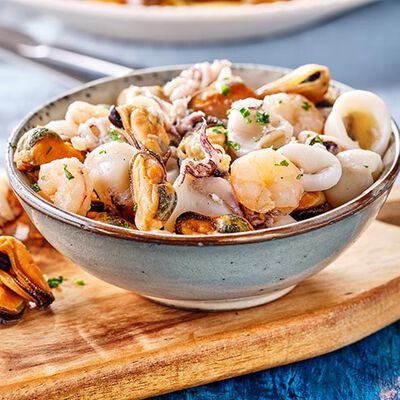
{"x":20,"y":274}
{"x":142,"y":128}
{"x":110,"y":219}
{"x":310,"y":80}
{"x":218,"y":98}
{"x":40,"y":146}
{"x":11,"y":305}
{"x":192,"y":223}
{"x":154,"y":196}
{"x":311,"y":205}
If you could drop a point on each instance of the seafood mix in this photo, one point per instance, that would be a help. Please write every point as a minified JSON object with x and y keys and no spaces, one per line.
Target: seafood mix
{"x":207,"y":154}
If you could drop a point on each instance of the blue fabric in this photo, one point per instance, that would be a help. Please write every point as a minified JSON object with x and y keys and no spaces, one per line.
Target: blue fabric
{"x":362,"y":48}
{"x":367,"y":370}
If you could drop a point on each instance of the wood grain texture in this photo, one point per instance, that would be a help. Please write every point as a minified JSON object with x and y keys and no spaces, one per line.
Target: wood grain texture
{"x":101,"y":342}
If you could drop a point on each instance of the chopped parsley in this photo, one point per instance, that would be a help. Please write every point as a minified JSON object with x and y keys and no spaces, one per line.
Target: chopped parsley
{"x":234,"y":145}
{"x":245,"y":112}
{"x":280,"y":102}
{"x":262,"y":118}
{"x":36,"y":187}
{"x":220,"y":129}
{"x":12,"y":145}
{"x":80,"y":282}
{"x":135,"y":207}
{"x":366,"y":166}
{"x":316,"y":139}
{"x":299,"y":176}
{"x":225,"y":90}
{"x":55,"y":282}
{"x":115,"y":135}
{"x":127,"y":226}
{"x":103,"y":152}
{"x":306,"y":105}
{"x":283,"y":163}
{"x":68,"y":174}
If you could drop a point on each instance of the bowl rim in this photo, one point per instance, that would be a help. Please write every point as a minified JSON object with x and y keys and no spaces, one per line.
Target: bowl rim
{"x":27,"y":195}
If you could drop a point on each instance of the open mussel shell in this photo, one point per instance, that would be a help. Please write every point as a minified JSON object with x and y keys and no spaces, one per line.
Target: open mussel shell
{"x":310,"y":80}
{"x":19,"y":273}
{"x":11,"y":305}
{"x":311,"y":205}
{"x":110,"y":219}
{"x":40,"y":146}
{"x":192,"y":223}
{"x":154,"y":196}
{"x":141,"y":128}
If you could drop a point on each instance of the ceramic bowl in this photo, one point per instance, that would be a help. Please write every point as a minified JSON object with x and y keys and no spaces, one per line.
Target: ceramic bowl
{"x":198,"y":272}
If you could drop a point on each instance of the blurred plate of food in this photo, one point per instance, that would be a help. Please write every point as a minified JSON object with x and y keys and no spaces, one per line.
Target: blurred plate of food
{"x":190,"y":20}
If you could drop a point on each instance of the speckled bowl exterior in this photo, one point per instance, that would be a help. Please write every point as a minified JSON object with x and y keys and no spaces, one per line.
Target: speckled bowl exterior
{"x":199,"y":272}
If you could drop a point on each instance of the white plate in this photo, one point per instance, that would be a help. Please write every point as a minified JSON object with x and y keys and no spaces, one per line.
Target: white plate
{"x":190,"y":23}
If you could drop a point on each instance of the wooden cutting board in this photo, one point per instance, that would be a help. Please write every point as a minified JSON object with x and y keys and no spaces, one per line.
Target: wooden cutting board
{"x":101,"y":342}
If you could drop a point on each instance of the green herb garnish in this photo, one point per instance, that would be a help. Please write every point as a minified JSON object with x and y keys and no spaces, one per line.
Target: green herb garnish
{"x":13,"y":146}
{"x":55,"y":282}
{"x":217,"y":129}
{"x":127,"y":226}
{"x":316,"y":139}
{"x":103,"y":152}
{"x":306,"y":105}
{"x":366,"y":166}
{"x":262,"y":118}
{"x":225,"y":90}
{"x":283,"y":163}
{"x":68,"y":174}
{"x":115,"y":135}
{"x":299,"y":176}
{"x":135,"y":207}
{"x":280,"y":102}
{"x":245,"y":112}
{"x":234,"y":145}
{"x":36,"y":187}
{"x":80,"y":282}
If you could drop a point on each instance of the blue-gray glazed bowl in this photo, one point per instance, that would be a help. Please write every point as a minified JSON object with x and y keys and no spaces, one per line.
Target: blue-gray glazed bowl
{"x":222,"y":272}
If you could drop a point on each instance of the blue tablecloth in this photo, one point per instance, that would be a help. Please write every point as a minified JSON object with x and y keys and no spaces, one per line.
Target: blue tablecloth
{"x":361,"y":48}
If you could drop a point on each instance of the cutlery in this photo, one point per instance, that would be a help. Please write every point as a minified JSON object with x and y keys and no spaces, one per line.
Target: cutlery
{"x":77,"y":66}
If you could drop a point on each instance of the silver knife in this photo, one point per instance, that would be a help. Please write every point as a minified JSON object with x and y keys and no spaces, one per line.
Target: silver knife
{"x":77,"y":66}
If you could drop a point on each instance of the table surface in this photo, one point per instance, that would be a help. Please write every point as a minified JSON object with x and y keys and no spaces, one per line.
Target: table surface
{"x":362,"y":48}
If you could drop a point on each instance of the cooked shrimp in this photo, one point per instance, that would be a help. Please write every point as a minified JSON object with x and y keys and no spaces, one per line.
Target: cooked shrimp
{"x":250,"y":127}
{"x":66,"y":129}
{"x":66,"y":183}
{"x":320,"y":169}
{"x":131,"y":93}
{"x":108,"y":167}
{"x":264,"y":180}
{"x":80,"y":111}
{"x":300,"y":112}
{"x":91,"y":134}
